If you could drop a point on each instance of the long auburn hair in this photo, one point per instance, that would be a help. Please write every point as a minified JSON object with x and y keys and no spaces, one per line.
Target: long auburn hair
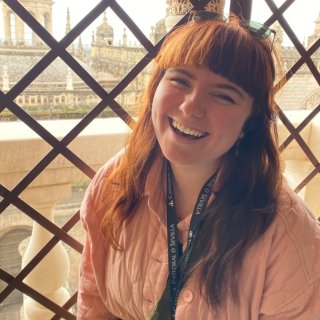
{"x":245,"y":201}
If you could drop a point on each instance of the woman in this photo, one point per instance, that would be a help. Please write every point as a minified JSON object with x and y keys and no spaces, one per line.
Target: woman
{"x":193,"y":219}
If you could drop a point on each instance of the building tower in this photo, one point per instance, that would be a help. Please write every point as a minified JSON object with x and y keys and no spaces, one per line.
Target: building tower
{"x":68,"y":23}
{"x":316,"y":34}
{"x":16,"y":32}
{"x":104,"y":33}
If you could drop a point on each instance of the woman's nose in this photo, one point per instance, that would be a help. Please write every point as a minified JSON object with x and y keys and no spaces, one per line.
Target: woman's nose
{"x":192,"y":106}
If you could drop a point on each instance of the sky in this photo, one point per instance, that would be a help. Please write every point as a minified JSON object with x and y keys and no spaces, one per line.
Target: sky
{"x":301,"y":16}
{"x":144,"y":12}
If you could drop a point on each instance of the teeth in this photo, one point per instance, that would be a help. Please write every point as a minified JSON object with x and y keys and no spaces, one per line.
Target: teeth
{"x":187,"y":130}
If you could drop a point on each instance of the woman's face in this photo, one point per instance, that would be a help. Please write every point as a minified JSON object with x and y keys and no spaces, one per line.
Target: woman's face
{"x":198,"y":115}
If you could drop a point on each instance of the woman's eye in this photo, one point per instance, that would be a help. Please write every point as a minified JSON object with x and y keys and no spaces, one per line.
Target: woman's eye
{"x":224,"y":98}
{"x":180,"y":81}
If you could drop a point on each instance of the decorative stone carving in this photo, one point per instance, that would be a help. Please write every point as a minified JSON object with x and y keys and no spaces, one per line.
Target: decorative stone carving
{"x":180,"y":7}
{"x":177,"y":8}
{"x":311,"y":101}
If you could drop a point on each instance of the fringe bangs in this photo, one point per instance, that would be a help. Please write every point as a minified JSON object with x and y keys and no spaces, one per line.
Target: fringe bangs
{"x":186,"y":45}
{"x":232,"y":54}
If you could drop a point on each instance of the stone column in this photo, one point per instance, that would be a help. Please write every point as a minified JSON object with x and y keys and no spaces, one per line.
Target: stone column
{"x":6,"y":26}
{"x":36,"y":39}
{"x":69,"y":80}
{"x":50,"y":20}
{"x":19,"y":31}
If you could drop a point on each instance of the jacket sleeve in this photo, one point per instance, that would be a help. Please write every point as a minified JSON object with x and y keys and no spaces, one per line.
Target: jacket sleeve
{"x":90,"y":304}
{"x":295,"y":269}
{"x":302,"y":306}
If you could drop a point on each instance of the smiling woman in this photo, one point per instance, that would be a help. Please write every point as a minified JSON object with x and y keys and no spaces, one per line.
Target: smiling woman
{"x":193,"y":220}
{"x":196,"y":111}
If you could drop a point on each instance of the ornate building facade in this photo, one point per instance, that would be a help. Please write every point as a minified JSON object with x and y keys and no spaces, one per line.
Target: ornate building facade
{"x":58,"y":90}
{"x":301,"y":92}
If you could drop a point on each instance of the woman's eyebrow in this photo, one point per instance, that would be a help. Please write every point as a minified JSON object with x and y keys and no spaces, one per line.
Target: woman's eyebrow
{"x":183,"y":71}
{"x":231,"y":87}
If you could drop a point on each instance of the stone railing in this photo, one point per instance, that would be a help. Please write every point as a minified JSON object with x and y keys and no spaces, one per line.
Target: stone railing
{"x":21,"y":149}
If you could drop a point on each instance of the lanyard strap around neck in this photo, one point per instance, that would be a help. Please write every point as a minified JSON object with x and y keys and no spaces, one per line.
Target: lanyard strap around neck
{"x":175,"y":276}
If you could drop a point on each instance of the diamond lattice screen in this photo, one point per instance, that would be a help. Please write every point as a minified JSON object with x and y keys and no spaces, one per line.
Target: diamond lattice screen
{"x":67,"y":69}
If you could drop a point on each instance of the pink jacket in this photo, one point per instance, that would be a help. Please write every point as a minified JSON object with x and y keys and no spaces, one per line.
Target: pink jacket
{"x":280,"y":277}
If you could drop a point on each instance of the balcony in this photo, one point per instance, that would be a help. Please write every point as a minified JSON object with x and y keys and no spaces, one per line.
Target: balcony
{"x":103,"y":139}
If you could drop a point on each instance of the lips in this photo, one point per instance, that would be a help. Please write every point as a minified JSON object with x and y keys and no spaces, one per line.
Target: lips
{"x":187,"y":131}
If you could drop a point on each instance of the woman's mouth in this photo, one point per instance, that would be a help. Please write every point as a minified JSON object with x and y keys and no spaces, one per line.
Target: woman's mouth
{"x":186,"y":131}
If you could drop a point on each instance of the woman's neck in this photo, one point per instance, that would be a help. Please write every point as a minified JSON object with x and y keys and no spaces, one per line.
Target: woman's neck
{"x":188,"y":183}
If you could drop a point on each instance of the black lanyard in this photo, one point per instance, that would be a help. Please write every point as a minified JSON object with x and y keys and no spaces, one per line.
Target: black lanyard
{"x":176,"y":271}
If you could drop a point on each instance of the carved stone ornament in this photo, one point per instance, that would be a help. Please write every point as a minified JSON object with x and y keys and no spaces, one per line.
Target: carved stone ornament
{"x":311,"y":101}
{"x":180,"y":7}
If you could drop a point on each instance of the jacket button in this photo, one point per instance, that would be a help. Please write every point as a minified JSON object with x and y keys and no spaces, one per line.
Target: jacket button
{"x":187,"y":295}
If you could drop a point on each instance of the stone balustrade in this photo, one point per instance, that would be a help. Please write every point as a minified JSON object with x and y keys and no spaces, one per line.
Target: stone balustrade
{"x":21,"y":149}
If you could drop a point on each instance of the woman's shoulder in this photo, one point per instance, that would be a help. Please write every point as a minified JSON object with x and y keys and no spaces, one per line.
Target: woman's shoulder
{"x":95,"y":199}
{"x":104,"y":172}
{"x":292,"y":253}
{"x":295,"y":232}
{"x":294,"y":212}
